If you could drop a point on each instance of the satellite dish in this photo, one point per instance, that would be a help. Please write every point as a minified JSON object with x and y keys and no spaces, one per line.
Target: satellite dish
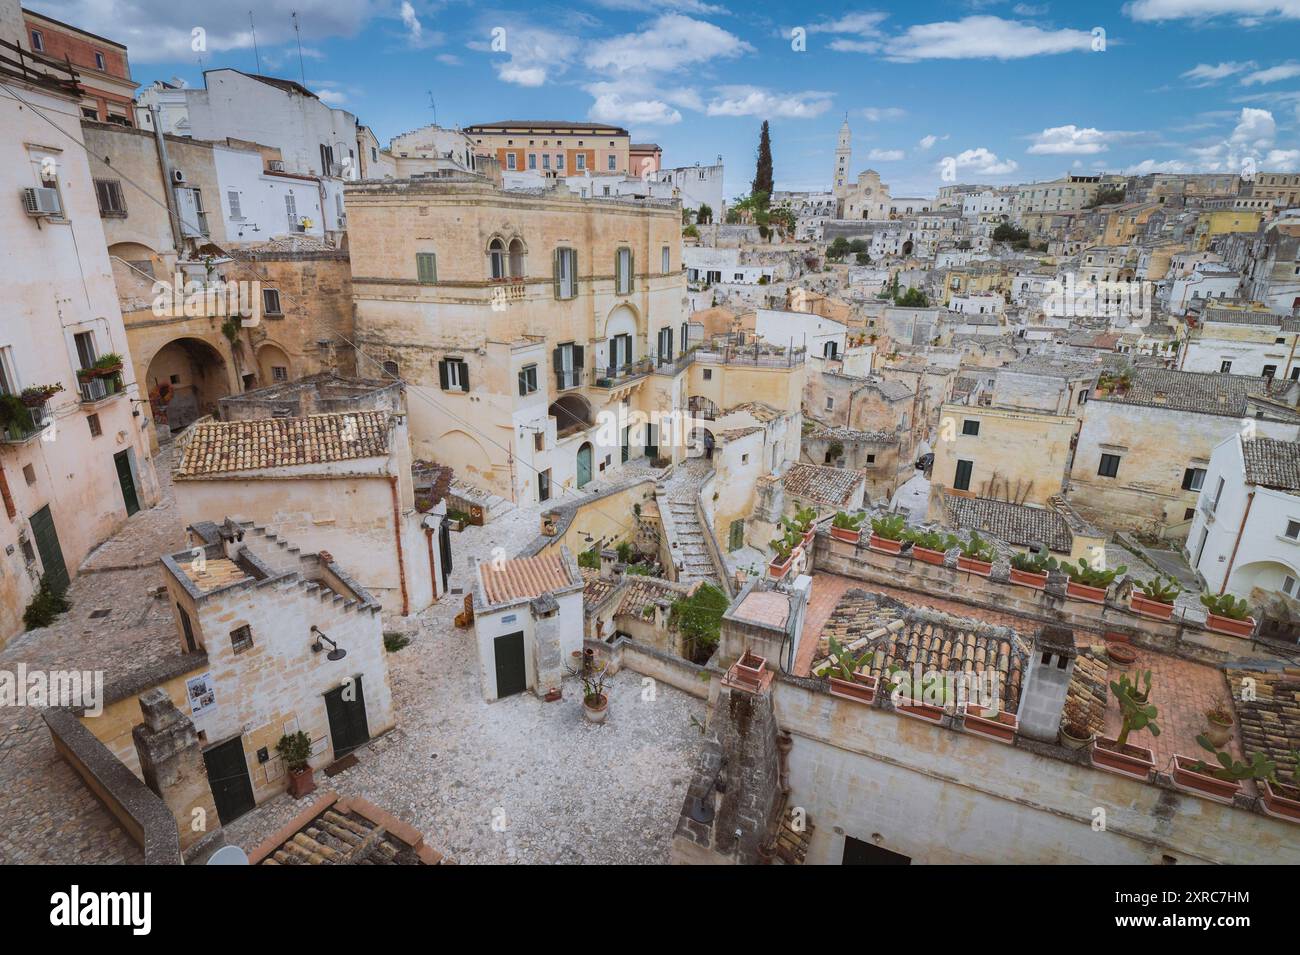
{"x":228,"y":855}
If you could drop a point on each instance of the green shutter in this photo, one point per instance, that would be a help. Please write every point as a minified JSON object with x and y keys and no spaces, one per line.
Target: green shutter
{"x":464,"y":376}
{"x":631,"y":270}
{"x":426,"y":267}
{"x":442,"y":373}
{"x":555,"y":270}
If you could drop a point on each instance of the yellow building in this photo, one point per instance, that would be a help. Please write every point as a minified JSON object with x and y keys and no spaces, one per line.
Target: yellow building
{"x":1224,"y":222}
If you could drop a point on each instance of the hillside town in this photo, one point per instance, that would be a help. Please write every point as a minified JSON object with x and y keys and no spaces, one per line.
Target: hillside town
{"x":517,"y":492}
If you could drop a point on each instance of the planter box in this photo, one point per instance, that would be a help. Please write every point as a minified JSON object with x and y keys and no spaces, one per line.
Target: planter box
{"x":302,"y":783}
{"x":1135,"y":762}
{"x":1001,"y":727}
{"x":981,"y":568}
{"x":884,"y":546}
{"x":1281,"y":801}
{"x":1027,"y":578}
{"x":929,"y":712}
{"x":1121,"y":654}
{"x":1092,"y":595}
{"x":846,"y":534}
{"x":748,"y":670}
{"x":1236,"y":628}
{"x":1202,"y":784}
{"x":927,"y":556}
{"x":809,"y":536}
{"x":1144,"y":605}
{"x":776,"y":570}
{"x":862,"y":688}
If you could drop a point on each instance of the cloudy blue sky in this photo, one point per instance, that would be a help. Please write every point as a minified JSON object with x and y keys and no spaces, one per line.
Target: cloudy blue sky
{"x":1012,"y":91}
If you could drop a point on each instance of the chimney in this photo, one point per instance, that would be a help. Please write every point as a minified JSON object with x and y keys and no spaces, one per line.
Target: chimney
{"x":171,"y":761}
{"x":1051,"y":664}
{"x":608,"y":558}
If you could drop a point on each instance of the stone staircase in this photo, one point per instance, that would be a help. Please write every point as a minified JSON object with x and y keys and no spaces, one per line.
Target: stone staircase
{"x":677,"y":497}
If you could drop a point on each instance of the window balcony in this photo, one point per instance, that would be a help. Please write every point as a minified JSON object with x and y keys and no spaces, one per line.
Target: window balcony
{"x":26,"y":425}
{"x":613,"y":376}
{"x":98,"y":388}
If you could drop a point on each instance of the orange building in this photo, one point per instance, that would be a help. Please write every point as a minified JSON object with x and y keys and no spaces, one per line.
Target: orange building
{"x":108,"y":92}
{"x":554,"y":149}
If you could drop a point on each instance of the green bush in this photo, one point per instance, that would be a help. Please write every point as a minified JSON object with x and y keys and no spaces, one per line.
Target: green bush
{"x":47,"y":603}
{"x":295,"y":750}
{"x":699,"y":618}
{"x":395,"y":641}
{"x":590,"y":559}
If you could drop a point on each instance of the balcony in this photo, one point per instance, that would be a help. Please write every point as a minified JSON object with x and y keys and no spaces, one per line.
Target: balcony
{"x":25,"y":424}
{"x":512,"y":291}
{"x":616,"y":376}
{"x":666,"y":365}
{"x":98,"y":388}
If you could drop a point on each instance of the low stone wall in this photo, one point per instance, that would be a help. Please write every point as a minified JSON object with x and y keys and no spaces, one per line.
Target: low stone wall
{"x":660,"y":665}
{"x":144,"y":816}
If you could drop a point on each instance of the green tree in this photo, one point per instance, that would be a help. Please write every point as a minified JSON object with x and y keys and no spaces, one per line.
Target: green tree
{"x":699,"y":618}
{"x":912,"y":298}
{"x":704,"y":214}
{"x":838,"y":248}
{"x":763,"y":170}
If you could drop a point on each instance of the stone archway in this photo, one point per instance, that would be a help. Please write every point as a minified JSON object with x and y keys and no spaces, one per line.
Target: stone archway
{"x":186,"y":378}
{"x":273,"y":365}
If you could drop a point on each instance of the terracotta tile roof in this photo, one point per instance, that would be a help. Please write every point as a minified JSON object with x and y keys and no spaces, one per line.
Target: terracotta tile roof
{"x":1016,"y":524}
{"x":908,"y":636}
{"x":1272,"y":463}
{"x":348,"y":831}
{"x":525,"y":577}
{"x":1270,"y":723}
{"x":644,"y":591}
{"x":815,"y":482}
{"x":594,"y":588}
{"x":219,"y":447}
{"x":1090,"y":688}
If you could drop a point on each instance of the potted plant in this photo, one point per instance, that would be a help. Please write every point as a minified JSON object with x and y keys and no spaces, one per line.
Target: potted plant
{"x":1116,"y":755}
{"x":1141,"y":687}
{"x":1220,"y":783}
{"x":1089,"y":583}
{"x":749,"y":669}
{"x":595,"y":699}
{"x":295,"y":750}
{"x":1076,"y":728}
{"x":1282,"y":798}
{"x":779,"y":566}
{"x":926,"y":699}
{"x":1030,"y":570}
{"x":976,"y":556}
{"x":1155,"y":597}
{"x":37,"y":395}
{"x":887,"y":534}
{"x":803,"y":525}
{"x":1121,"y":654}
{"x":15,"y":417}
{"x":846,"y":527}
{"x":847,"y":673}
{"x":930,"y":547}
{"x":1228,"y":614}
{"x":109,"y":367}
{"x":991,"y":721}
{"x":1219,"y":716}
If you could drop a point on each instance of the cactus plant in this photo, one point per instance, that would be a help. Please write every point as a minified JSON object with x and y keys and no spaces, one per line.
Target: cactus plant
{"x":847,"y":522}
{"x":1162,"y":589}
{"x":977,"y":548}
{"x":1090,"y":576}
{"x":1034,"y":563}
{"x":890,"y":527}
{"x":1226,"y":605}
{"x":1233,"y":770}
{"x":1135,"y":715}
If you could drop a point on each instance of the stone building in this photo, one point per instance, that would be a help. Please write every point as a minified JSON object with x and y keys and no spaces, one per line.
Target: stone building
{"x":554,"y":149}
{"x":103,"y":66}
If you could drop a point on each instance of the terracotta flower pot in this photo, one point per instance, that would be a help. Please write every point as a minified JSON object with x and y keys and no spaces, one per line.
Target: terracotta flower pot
{"x":1027,"y":578}
{"x":927,"y":556}
{"x":930,"y":712}
{"x":1121,"y":654}
{"x":595,"y":708}
{"x":1094,"y":595}
{"x":1236,"y":628}
{"x":1203,"y":784}
{"x":1281,"y":800}
{"x":861,"y":688}
{"x":301,"y":782}
{"x":981,"y":568}
{"x":1070,"y":741}
{"x":1147,"y":607}
{"x":876,"y":542}
{"x":846,"y":534}
{"x":748,"y":670}
{"x":1218,"y":733}
{"x":1136,"y":762}
{"x":776,"y":569}
{"x":1001,"y":727}
{"x":809,"y":536}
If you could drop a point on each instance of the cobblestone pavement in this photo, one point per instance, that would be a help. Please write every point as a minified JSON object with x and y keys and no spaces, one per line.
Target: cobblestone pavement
{"x":569,"y":792}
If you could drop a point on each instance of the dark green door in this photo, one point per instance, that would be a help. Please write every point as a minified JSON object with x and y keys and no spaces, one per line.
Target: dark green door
{"x":584,"y":465}
{"x":348,"y":725}
{"x":232,"y":790}
{"x":511,"y":675}
{"x":651,"y":441}
{"x":47,"y":545}
{"x":123,"y":461}
{"x":626,"y":451}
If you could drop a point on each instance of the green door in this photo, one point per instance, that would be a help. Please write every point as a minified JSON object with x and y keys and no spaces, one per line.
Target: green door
{"x":232,"y":790}
{"x":651,"y":441}
{"x":47,"y":545}
{"x":512,"y":678}
{"x":626,"y":451}
{"x":584,"y":465}
{"x":123,"y":461}
{"x":348,"y":726}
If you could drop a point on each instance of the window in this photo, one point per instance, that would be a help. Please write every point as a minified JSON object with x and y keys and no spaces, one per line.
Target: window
{"x":510,"y":160}
{"x":1270,"y":371}
{"x":1193,"y":479}
{"x":871,"y":459}
{"x":241,"y":638}
{"x":970,"y":427}
{"x":568,"y":361}
{"x":532,"y":160}
{"x":613,"y":164}
{"x":1109,"y":465}
{"x":453,"y":374}
{"x":566,"y":273}
{"x":1218,"y":493}
{"x":580,"y":161}
{"x":1225,"y":367}
{"x":38,"y":41}
{"x":86,"y":352}
{"x":232,"y":197}
{"x":8,"y":380}
{"x":89,"y":112}
{"x":279,"y":373}
{"x":391,"y":369}
{"x":1292,"y":530}
{"x":426,"y":267}
{"x":830,"y":403}
{"x":527,"y":380}
{"x":620,"y":354}
{"x":271,"y":302}
{"x":708,"y":374}
{"x":95,"y":429}
{"x":665,"y":260}
{"x":109,"y":194}
{"x":546,"y":160}
{"x":665,"y":345}
{"x":1083,"y":396}
{"x":559,"y":161}
{"x":29,"y":475}
{"x":623,"y":271}
{"x":961,"y":480}
{"x":544,"y":485}
{"x":291,"y":210}
{"x":99,"y":61}
{"x":497,"y":258}
{"x":326,"y":159}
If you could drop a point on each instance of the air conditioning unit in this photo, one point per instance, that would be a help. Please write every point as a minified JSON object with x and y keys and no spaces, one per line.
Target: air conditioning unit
{"x":178,"y":175}
{"x":275,"y":165}
{"x":42,"y":202}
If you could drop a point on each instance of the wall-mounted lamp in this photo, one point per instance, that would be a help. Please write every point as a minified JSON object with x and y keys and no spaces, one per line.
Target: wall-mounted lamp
{"x":337,"y":653}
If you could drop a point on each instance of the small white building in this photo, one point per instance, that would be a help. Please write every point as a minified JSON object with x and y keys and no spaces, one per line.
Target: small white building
{"x":258,"y":204}
{"x":1209,"y":280}
{"x":821,"y":337}
{"x":1245,"y":535}
{"x":978,"y":303}
{"x":528,"y":622}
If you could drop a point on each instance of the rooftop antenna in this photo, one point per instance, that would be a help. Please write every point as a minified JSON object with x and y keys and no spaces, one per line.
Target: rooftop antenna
{"x":302,"y":70}
{"x":256,"y":53}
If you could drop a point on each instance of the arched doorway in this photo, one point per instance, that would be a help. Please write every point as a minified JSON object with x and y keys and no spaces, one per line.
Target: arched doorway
{"x":186,"y":378}
{"x":907,"y":247}
{"x":273,"y":365}
{"x":572,"y":413}
{"x":584,"y":464}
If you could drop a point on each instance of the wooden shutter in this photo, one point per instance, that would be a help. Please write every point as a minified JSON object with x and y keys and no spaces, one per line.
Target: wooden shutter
{"x":557,"y":359}
{"x":523,"y":383}
{"x":442,"y":374}
{"x":464,"y":376}
{"x":578,"y":363}
{"x":573,"y":271}
{"x":426,"y":267}
{"x":631,"y":270}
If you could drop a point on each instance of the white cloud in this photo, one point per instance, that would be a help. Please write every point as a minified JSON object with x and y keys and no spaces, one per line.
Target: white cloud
{"x":536,"y":55}
{"x":1273,"y":74}
{"x":1070,"y":140}
{"x":1148,"y":166}
{"x":613,"y":108}
{"x":859,"y":32}
{"x":671,"y":42}
{"x":1250,"y":144}
{"x":1205,"y":9}
{"x":1203,"y":74}
{"x":983,"y":37}
{"x":886,"y":155}
{"x":332,"y":97}
{"x":876,"y":114}
{"x":1256,"y":129}
{"x":678,"y":6}
{"x":756,"y":101}
{"x":927,"y":142}
{"x":982,"y":162}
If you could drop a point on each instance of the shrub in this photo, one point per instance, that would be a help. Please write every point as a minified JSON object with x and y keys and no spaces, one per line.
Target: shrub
{"x":395,"y":641}
{"x":47,"y":603}
{"x":295,"y":750}
{"x":699,"y":619}
{"x":589,"y":559}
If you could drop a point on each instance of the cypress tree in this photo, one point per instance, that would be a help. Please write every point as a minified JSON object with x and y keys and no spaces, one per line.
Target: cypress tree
{"x":763,"y":171}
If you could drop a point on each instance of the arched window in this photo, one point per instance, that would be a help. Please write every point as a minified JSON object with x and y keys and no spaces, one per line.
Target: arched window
{"x":497,"y":256}
{"x":516,"y":259}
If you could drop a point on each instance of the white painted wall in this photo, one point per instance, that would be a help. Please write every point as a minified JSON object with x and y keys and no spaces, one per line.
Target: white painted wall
{"x":263,"y":213}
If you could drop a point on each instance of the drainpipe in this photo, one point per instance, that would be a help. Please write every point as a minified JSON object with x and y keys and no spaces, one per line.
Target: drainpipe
{"x":1237,"y":543}
{"x":397,"y":534}
{"x":160,"y":143}
{"x":433,"y":568}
